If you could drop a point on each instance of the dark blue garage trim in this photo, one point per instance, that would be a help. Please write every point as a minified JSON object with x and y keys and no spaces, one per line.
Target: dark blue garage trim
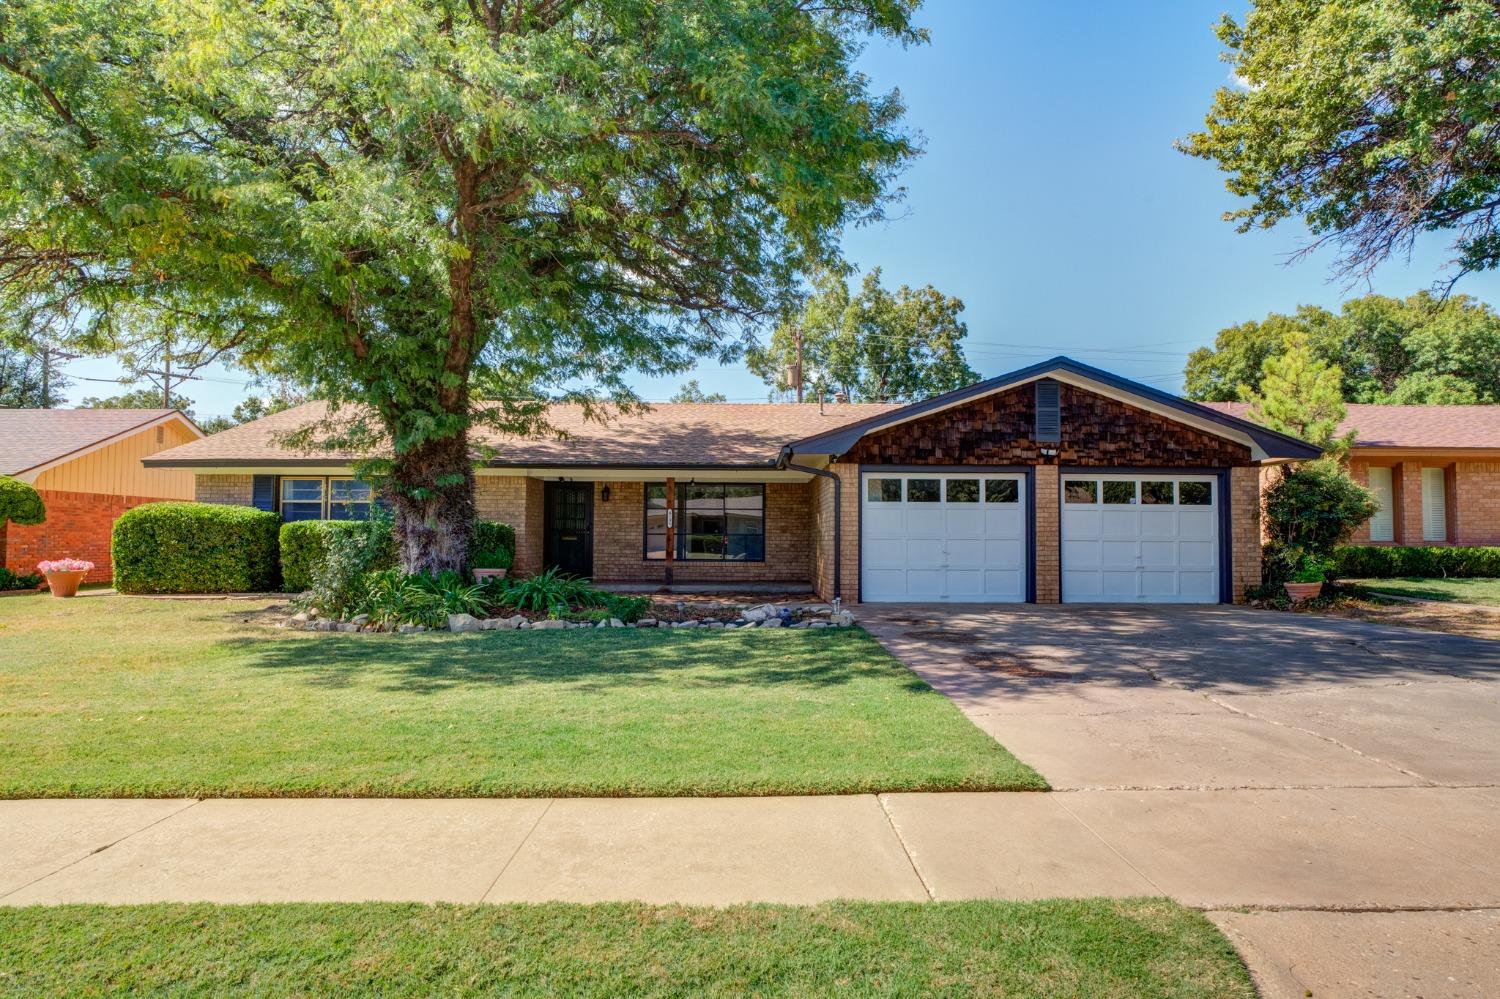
{"x":1221,"y":479}
{"x":1028,"y":472}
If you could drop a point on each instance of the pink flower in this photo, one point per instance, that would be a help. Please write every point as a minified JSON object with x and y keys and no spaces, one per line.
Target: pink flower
{"x":64,"y":565}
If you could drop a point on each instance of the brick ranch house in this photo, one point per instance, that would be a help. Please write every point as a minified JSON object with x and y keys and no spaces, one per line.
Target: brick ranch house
{"x":1058,"y":482}
{"x":1434,"y":469}
{"x":86,"y":464}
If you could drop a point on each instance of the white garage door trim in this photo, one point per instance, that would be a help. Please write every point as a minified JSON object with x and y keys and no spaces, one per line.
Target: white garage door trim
{"x":1141,"y":537}
{"x":958,"y":536}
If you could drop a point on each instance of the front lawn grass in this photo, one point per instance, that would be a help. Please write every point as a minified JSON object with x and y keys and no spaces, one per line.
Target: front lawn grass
{"x":1464,"y":591}
{"x":1101,"y":948}
{"x":113,"y":696}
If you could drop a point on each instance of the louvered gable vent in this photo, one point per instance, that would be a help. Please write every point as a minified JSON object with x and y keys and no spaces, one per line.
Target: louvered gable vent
{"x":1048,"y":415}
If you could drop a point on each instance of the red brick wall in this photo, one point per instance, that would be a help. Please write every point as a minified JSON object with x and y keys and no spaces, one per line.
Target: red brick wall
{"x":620,"y":523}
{"x":1475,"y":503}
{"x":78,"y":525}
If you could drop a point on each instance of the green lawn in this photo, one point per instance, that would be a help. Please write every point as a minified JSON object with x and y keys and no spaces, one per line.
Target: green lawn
{"x":1102,"y":948}
{"x":118,"y":696}
{"x":1464,"y":591}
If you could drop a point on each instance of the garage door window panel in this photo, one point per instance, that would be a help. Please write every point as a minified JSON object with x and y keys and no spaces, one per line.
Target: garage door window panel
{"x":1002,"y":491}
{"x":883,"y":490}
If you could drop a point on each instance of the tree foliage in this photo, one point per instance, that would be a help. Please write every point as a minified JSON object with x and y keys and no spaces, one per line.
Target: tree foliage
{"x":409,"y":204}
{"x":21,"y":380}
{"x":874,"y":345}
{"x":1311,"y":510}
{"x":1373,"y":121}
{"x":1299,"y":395}
{"x":20,"y":503}
{"x":1421,"y":349}
{"x":692,"y":392}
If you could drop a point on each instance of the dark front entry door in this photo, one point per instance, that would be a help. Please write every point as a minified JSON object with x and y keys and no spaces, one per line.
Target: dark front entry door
{"x":569,"y":527}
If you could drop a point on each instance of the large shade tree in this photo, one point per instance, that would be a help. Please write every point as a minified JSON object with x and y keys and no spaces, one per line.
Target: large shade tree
{"x":1420,"y":349}
{"x":410,"y":204}
{"x":873,"y":345}
{"x":1373,"y":121}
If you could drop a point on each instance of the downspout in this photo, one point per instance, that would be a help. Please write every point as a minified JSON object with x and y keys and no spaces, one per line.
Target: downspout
{"x":784,"y":461}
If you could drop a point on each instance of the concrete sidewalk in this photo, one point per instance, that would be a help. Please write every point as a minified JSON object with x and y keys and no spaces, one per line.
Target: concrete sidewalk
{"x":1349,"y":886}
{"x":1338,"y":848}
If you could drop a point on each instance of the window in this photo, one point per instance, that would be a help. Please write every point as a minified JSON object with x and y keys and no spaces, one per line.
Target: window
{"x":883,"y":490}
{"x":1159,"y":493}
{"x":301,"y":499}
{"x":963,"y":490}
{"x":349,"y":499}
{"x":1002,"y":491}
{"x":1080,"y":491}
{"x":1195,"y":493}
{"x":1434,"y":504}
{"x":715,"y":521}
{"x":1383,"y":524}
{"x":1119,"y":493}
{"x":923,"y":490}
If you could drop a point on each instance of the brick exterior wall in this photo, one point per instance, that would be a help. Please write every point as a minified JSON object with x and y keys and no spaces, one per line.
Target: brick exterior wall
{"x":78,"y":525}
{"x":1245,"y":501}
{"x":619,"y":527}
{"x":1476,"y":503}
{"x":1048,"y":535}
{"x":517,"y":501}
{"x":226,"y":490}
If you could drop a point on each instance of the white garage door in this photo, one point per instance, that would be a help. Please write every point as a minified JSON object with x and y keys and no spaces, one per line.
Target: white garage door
{"x":926,"y":536}
{"x":1140,"y":538}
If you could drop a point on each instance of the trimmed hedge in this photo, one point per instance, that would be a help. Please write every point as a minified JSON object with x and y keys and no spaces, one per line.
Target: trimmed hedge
{"x":490,"y":536}
{"x":1379,"y":562}
{"x":304,"y":546}
{"x":195,"y":548}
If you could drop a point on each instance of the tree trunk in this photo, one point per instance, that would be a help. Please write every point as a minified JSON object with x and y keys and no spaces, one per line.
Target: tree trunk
{"x":434,"y":505}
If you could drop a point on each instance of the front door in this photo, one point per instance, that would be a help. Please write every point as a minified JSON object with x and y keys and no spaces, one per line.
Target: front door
{"x":569,"y":527}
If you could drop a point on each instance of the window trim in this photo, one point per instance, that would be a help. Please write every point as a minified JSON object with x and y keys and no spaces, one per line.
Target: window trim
{"x":678,"y":510}
{"x":326,"y":494}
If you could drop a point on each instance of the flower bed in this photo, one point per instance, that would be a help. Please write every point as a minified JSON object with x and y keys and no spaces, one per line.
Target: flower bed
{"x":660,"y":614}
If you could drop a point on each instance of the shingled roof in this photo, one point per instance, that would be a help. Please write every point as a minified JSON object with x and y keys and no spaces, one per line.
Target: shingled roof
{"x":1436,"y":427}
{"x":666,"y":435}
{"x":30,"y":438}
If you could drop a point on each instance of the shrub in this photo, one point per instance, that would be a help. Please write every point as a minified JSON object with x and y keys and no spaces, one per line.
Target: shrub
{"x":392,"y":598}
{"x":494,"y":545}
{"x":20,"y":503}
{"x":195,"y":548}
{"x":10,"y":580}
{"x":304,"y":549}
{"x":338,"y":581}
{"x":626,"y":608}
{"x":1360,"y":561}
{"x":1312,"y":510}
{"x":551,"y":591}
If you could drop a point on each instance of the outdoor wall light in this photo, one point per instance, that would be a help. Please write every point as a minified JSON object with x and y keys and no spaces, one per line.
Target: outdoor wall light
{"x":604,"y":494}
{"x":1049,"y":452}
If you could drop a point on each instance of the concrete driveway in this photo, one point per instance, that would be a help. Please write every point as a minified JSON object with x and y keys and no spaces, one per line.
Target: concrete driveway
{"x":1339,"y":779}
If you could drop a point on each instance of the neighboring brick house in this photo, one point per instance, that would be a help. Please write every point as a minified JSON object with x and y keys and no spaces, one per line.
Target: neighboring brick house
{"x":86,"y":464}
{"x":1058,"y":482}
{"x":1434,"y":469}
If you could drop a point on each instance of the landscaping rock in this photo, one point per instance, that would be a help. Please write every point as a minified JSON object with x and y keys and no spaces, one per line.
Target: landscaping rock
{"x":615,"y":622}
{"x":348,"y":626}
{"x":842,"y":619}
{"x":818,"y":624}
{"x":360,"y":619}
{"x":408,"y":629}
{"x":524,"y":626}
{"x":770,"y":622}
{"x":549,"y":625}
{"x":301,"y":617}
{"x":463,"y":622}
{"x":646,"y":622}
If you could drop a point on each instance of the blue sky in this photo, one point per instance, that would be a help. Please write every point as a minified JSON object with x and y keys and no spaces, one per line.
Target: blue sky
{"x":1051,"y":201}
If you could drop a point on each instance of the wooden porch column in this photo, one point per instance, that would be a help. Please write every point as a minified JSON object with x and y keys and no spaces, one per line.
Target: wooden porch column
{"x":671,"y":526}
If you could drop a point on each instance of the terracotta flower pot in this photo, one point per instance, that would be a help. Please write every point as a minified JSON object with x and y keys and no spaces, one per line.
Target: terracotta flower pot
{"x":64,"y":584}
{"x":480,"y":575}
{"x":1303,"y":591}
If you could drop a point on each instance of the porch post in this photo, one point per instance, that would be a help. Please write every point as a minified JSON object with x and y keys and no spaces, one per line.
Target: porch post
{"x":671,"y":526}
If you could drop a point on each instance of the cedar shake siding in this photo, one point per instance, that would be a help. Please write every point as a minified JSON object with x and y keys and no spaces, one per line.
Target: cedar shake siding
{"x":1097,"y":432}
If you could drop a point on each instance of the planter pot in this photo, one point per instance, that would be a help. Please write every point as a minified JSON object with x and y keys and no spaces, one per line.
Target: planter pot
{"x":480,"y":575}
{"x":64,"y":584}
{"x":1303,"y":591}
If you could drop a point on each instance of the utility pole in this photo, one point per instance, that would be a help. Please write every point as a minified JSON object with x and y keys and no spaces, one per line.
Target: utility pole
{"x":48,"y":353}
{"x":797,"y":365}
{"x":168,"y":379}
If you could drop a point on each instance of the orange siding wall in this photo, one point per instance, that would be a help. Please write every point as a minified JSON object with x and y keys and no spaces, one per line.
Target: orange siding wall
{"x":116,"y":470}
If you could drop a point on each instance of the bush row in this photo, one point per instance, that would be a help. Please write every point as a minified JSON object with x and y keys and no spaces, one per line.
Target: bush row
{"x":195,"y":548}
{"x":1372,"y":562}
{"x":208,"y":548}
